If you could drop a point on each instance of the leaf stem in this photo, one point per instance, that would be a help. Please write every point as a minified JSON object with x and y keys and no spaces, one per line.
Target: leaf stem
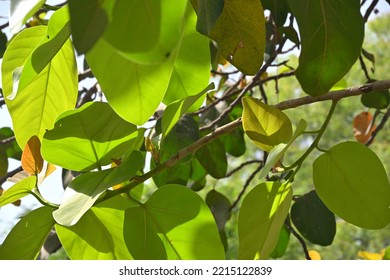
{"x":35,"y":192}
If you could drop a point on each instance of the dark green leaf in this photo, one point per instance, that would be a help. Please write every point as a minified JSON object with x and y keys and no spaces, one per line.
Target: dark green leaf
{"x":279,"y":10}
{"x":3,"y":164}
{"x":88,"y":138}
{"x":331,"y":36}
{"x":281,"y":247}
{"x":313,"y":219}
{"x":26,"y":238}
{"x":352,"y":182}
{"x":169,"y":224}
{"x":11,"y":149}
{"x":378,"y":99}
{"x":234,"y":142}
{"x":213,"y":158}
{"x":3,"y":43}
{"x":220,"y":207}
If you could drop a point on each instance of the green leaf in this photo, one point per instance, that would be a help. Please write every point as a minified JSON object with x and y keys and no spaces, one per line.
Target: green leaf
{"x":313,"y":219}
{"x":17,"y":191}
{"x":191,"y":70}
{"x":89,"y":19}
{"x":213,"y":158}
{"x":352,"y":182}
{"x":11,"y":149}
{"x":27,"y":237}
{"x":261,"y":218}
{"x":88,"y":138}
{"x":279,"y":10}
{"x":135,"y":25}
{"x":58,"y":32}
{"x":3,"y":43}
{"x":53,"y":91}
{"x":21,"y":11}
{"x":278,"y":151}
{"x":139,"y":80}
{"x":106,"y":242}
{"x":184,"y":133}
{"x":331,"y":36}
{"x":238,"y":28}
{"x":169,"y":224}
{"x":85,"y":189}
{"x":220,"y":207}
{"x":175,"y":110}
{"x":3,"y":164}
{"x":281,"y":247}
{"x":265,"y":126}
{"x":377,"y":99}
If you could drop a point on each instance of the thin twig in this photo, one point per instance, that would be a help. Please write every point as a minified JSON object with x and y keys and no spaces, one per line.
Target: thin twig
{"x":10,"y":174}
{"x":300,"y":239}
{"x":378,"y":128}
{"x":370,"y":9}
{"x":7,"y":140}
{"x":5,"y":25}
{"x":364,"y":68}
{"x":86,"y":74}
{"x":238,"y":168}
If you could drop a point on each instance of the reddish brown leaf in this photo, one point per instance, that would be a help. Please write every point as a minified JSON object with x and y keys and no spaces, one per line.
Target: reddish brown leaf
{"x":363,"y":127}
{"x":32,"y":161}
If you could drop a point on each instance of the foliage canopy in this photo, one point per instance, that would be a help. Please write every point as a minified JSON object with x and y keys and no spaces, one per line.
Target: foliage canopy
{"x":152,"y":111}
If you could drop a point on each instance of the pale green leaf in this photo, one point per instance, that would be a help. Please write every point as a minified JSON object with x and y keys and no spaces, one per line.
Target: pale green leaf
{"x":261,"y":218}
{"x":85,"y":189}
{"x":88,"y":137}
{"x":21,"y":11}
{"x":266,"y":126}
{"x":17,"y":191}
{"x":106,"y":240}
{"x":53,"y":91}
{"x":175,"y":224}
{"x":352,"y":182}
{"x":26,"y":238}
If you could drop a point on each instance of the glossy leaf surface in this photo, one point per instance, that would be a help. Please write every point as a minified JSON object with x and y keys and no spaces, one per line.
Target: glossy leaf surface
{"x":352,"y":182}
{"x":168,"y":226}
{"x":88,"y":138}
{"x":332,"y":34}
{"x":261,"y":218}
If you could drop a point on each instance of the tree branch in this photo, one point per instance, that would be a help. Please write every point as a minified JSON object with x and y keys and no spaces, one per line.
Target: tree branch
{"x":370,"y":9}
{"x":300,"y":239}
{"x":379,"y":127}
{"x":10,"y":174}
{"x":7,"y":140}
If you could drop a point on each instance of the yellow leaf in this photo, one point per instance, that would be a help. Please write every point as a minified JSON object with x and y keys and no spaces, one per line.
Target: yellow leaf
{"x":314,"y":255}
{"x":371,"y":256}
{"x":32,"y":161}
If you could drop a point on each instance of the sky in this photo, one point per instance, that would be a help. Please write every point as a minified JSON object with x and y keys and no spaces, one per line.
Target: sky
{"x":51,"y":188}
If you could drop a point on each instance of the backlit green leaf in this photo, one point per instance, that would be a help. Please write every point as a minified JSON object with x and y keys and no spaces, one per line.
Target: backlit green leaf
{"x":352,"y":182}
{"x":169,"y":224}
{"x":261,"y":218}
{"x":313,"y":219}
{"x":238,"y":28}
{"x":265,"y":126}
{"x":191,"y":70}
{"x":85,"y":189}
{"x":88,"y":138}
{"x":26,"y":238}
{"x":175,"y":110}
{"x":135,"y":25}
{"x":58,"y":32}
{"x":106,"y":241}
{"x":53,"y":91}
{"x":17,"y":191}
{"x":332,"y":34}
{"x":281,"y":247}
{"x":21,"y":11}
{"x":89,"y":19}
{"x":11,"y":149}
{"x":135,"y":83}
